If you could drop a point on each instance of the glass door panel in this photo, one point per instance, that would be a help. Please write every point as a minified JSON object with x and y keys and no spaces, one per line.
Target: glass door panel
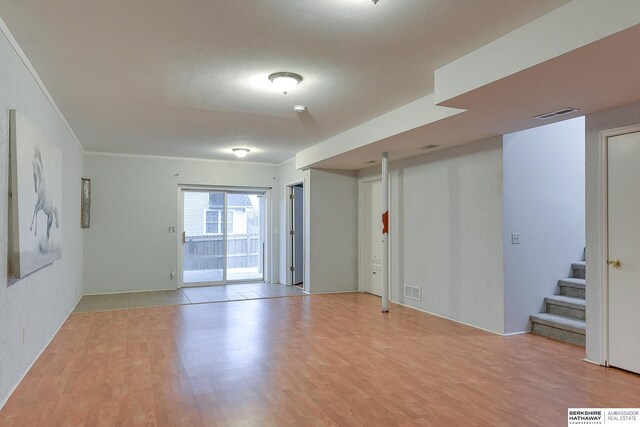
{"x":204,"y":237}
{"x":245,"y":236}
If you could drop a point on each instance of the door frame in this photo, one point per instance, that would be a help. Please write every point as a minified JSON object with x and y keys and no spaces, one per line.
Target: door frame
{"x":362,"y":268}
{"x":288,"y":188}
{"x":266,"y":232}
{"x":604,"y":230}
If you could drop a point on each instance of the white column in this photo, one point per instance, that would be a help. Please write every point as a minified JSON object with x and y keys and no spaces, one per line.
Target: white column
{"x":385,"y":232}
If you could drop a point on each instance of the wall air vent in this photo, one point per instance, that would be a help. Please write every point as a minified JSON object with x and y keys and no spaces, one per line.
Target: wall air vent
{"x":370,"y":162}
{"x":412,"y":292}
{"x":428,"y":147}
{"x":556,"y":113}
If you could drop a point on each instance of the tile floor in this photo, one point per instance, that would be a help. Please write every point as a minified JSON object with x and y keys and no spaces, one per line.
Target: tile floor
{"x":195,"y":295}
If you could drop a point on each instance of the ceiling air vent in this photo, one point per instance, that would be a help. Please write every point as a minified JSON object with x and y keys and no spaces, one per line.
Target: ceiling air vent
{"x":556,"y":113}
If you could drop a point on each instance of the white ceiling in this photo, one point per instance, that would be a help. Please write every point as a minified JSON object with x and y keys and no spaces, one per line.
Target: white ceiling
{"x":188,"y":78}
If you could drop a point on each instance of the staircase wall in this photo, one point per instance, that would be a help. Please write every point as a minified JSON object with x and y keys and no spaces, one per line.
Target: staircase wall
{"x":544,"y":193}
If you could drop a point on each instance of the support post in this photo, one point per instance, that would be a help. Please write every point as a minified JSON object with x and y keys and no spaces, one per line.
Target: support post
{"x":385,"y":232}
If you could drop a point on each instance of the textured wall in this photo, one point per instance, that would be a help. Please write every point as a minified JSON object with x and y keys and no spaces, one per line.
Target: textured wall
{"x":596,"y":123}
{"x":544,"y":202}
{"x":446,"y":232}
{"x":134,"y":202}
{"x":331,"y":222}
{"x":39,"y":303}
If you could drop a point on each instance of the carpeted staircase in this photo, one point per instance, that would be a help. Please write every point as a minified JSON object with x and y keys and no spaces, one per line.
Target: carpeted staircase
{"x":564,"y":318}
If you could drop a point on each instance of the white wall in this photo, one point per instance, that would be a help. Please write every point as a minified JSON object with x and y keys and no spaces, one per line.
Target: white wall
{"x":331,"y":224}
{"x":446,"y":232}
{"x":135,"y":201}
{"x":287,"y":175}
{"x":596,"y":123}
{"x":544,"y":202}
{"x":39,"y":303}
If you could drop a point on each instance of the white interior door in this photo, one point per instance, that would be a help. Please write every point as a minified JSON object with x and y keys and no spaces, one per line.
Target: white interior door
{"x":624,"y":245}
{"x":298,"y":234}
{"x":373,"y":237}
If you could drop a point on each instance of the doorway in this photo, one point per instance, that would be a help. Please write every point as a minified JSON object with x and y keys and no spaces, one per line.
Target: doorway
{"x":296,"y":234}
{"x":371,"y":265}
{"x":222,"y":236}
{"x":623,"y":235}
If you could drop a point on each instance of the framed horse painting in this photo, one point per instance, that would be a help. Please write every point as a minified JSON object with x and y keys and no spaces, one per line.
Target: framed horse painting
{"x":35,"y":198}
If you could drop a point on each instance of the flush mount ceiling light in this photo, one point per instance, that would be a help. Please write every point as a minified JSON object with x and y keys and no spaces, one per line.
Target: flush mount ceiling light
{"x":285,"y":82}
{"x":240,"y":152}
{"x":375,"y":1}
{"x":299,"y":109}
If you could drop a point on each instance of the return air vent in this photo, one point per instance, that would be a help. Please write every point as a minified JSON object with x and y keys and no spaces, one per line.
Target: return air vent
{"x":556,"y":113}
{"x":412,"y":292}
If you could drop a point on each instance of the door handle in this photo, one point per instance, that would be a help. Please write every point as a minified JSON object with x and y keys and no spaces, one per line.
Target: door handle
{"x":615,"y":263}
{"x":184,"y":237}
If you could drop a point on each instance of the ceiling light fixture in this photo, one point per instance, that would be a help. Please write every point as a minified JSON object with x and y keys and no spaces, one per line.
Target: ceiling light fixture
{"x":299,"y":109}
{"x":375,"y":1}
{"x":285,"y":82}
{"x":240,"y":152}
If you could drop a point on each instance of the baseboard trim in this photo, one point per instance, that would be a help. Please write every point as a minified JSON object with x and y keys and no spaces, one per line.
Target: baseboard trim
{"x":510,"y":334}
{"x":131,"y":292}
{"x":333,"y":292}
{"x":15,"y":386}
{"x":448,"y":318}
{"x":593,"y":362}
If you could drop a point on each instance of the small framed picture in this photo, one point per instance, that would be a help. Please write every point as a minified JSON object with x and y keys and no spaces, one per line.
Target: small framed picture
{"x":85,"y":208}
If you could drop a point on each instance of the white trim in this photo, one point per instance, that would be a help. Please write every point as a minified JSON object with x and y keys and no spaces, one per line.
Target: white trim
{"x":510,"y":334}
{"x":448,"y":318}
{"x":128,"y":292}
{"x":15,"y":386}
{"x":193,"y":159}
{"x":333,"y":292}
{"x":604,"y":229}
{"x":592,"y":362}
{"x":288,"y":188}
{"x":23,"y":57}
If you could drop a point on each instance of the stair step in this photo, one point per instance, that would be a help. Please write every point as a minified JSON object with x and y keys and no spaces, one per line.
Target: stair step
{"x":566,"y":306}
{"x":572,"y":287}
{"x":579,"y":269}
{"x":565,"y":301}
{"x":559,"y":327}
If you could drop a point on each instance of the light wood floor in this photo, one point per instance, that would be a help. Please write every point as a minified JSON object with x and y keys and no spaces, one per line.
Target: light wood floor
{"x":311,"y":360}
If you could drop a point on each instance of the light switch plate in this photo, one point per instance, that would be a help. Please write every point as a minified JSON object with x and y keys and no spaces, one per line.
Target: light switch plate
{"x":515,"y":238}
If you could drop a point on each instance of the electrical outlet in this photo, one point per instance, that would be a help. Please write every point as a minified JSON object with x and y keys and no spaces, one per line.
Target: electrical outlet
{"x":515,"y":238}
{"x":172,"y":229}
{"x":172,"y":275}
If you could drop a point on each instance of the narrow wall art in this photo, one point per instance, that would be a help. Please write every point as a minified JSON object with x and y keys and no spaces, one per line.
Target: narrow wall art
{"x":35,"y":198}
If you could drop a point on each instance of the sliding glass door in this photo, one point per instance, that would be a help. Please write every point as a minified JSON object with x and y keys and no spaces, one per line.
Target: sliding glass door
{"x":222,"y":236}
{"x":245,"y":238}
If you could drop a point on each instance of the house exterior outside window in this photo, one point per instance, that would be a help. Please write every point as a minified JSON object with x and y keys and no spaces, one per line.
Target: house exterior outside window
{"x":213,"y":222}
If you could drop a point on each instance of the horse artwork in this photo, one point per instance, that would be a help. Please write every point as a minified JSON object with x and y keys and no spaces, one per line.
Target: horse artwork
{"x":44,"y":202}
{"x":35,"y":199}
